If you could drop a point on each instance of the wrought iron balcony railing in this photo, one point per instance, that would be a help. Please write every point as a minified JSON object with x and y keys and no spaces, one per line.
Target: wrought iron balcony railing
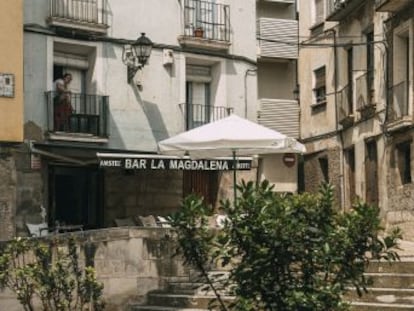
{"x":391,"y":5}
{"x":339,"y":9}
{"x":364,"y":91}
{"x":398,"y":102}
{"x":206,"y":20}
{"x":87,"y":15}
{"x":197,"y":115}
{"x":77,"y":113}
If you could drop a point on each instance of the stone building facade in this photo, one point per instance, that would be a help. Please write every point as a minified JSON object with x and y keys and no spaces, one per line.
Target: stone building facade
{"x":356,"y":97}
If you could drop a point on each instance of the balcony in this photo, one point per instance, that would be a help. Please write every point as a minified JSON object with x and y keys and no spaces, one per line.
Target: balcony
{"x":339,"y":9}
{"x":80,"y":117}
{"x":398,"y":111}
{"x":391,"y":5}
{"x":206,"y":25}
{"x":197,"y":115}
{"x":88,"y":16}
{"x":345,"y":106}
{"x":280,"y":1}
{"x":277,"y":38}
{"x":281,"y":115}
{"x":364,"y":95}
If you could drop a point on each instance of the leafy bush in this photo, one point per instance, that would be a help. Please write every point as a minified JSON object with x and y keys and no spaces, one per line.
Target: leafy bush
{"x":285,"y":252}
{"x":47,"y":271}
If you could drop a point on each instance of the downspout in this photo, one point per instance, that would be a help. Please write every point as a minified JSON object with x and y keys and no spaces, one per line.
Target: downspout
{"x":338,"y":130}
{"x":247,"y":73}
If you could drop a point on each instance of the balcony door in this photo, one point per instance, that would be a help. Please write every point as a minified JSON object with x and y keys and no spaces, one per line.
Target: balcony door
{"x":198,"y":96}
{"x":198,"y":104}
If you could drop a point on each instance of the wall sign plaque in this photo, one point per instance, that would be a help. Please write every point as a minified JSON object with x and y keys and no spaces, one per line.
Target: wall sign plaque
{"x":6,"y":85}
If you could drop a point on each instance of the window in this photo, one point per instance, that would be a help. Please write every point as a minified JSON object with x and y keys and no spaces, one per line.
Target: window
{"x":404,"y":161}
{"x":324,"y":167}
{"x":349,"y":95}
{"x":401,"y":72}
{"x":320,"y":85}
{"x":370,"y":60}
{"x":319,"y":11}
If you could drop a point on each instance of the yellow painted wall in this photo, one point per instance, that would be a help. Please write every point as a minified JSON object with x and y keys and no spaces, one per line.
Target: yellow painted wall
{"x":11,"y":62}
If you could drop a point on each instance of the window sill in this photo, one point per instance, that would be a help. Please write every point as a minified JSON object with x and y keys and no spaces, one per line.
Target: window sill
{"x":318,"y":104}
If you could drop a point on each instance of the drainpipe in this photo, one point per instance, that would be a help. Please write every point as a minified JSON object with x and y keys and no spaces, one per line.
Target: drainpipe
{"x":248,"y":72}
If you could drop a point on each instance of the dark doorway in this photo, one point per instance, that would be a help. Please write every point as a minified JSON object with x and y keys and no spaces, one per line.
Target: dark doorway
{"x":74,"y":196}
{"x":371,"y":172}
{"x":203,"y":183}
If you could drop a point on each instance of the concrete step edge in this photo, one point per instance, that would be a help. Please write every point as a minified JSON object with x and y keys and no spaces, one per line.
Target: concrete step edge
{"x":389,"y":274}
{"x":379,"y":305}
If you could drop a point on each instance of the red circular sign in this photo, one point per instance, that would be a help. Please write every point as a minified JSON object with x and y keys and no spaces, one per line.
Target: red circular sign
{"x":289,"y":159}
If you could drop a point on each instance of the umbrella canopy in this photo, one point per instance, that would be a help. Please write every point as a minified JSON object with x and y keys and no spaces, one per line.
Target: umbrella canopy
{"x":228,"y":136}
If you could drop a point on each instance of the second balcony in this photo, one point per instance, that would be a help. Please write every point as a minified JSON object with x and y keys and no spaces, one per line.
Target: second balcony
{"x":89,"y":16}
{"x":206,"y":25}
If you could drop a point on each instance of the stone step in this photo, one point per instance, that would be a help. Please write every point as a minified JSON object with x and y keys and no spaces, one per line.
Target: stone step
{"x":187,"y":301}
{"x":395,"y":267}
{"x":367,"y":306}
{"x":160,"y":308}
{"x":384,"y":295}
{"x":391,"y":280}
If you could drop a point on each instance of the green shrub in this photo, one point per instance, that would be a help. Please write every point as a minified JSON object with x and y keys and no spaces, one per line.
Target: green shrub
{"x":285,"y":252}
{"x":47,"y":272}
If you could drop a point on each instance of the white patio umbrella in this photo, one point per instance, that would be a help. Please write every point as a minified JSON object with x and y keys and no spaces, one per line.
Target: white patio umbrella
{"x":229,"y":136}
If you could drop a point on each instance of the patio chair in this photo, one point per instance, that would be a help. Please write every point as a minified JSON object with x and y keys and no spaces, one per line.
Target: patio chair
{"x":38,"y":230}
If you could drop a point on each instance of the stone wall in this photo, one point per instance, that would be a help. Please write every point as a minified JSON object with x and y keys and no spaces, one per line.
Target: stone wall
{"x":132,"y":193}
{"x":400,"y":208}
{"x":313,"y":173}
{"x":130,"y":261}
{"x":8,"y":182}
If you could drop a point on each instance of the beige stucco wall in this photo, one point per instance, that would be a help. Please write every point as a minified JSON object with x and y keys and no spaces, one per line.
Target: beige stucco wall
{"x":11,"y":62}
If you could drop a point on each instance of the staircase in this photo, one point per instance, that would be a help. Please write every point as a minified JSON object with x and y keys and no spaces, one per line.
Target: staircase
{"x":184,"y":295}
{"x":392,"y":290}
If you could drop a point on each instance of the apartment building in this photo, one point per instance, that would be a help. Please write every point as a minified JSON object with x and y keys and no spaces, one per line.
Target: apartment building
{"x":277,"y":54}
{"x":11,"y":108}
{"x":355,"y":85}
{"x":202,"y":52}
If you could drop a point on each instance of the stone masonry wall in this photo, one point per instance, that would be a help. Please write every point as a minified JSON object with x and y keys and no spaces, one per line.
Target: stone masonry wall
{"x":128,"y":194}
{"x":130,"y":261}
{"x":8,"y":184}
{"x":313,"y":173}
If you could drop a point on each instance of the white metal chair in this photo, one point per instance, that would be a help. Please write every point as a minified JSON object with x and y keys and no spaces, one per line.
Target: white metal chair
{"x":38,"y":230}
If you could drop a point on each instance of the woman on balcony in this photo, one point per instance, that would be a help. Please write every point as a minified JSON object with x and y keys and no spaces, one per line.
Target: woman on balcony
{"x":62,"y":106}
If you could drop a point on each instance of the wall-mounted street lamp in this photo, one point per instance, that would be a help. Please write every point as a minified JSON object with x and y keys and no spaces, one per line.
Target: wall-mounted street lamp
{"x":136,"y":55}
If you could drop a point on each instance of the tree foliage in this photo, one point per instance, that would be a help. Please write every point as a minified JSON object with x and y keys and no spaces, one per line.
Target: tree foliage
{"x":47,"y":272}
{"x":286,"y":252}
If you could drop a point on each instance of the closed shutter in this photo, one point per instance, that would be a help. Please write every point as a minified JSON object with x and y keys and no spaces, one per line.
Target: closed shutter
{"x":280,"y":115}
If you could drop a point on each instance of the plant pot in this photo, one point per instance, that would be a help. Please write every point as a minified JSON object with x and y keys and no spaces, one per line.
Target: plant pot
{"x":198,"y":32}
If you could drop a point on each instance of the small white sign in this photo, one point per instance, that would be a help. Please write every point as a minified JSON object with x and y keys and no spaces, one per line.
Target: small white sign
{"x":6,"y":85}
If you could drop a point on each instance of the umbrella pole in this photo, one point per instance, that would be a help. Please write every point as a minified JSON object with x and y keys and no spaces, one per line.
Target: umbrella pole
{"x":234,"y":176}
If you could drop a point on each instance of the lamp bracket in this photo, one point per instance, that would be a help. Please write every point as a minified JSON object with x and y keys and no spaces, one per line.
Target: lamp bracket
{"x":132,"y":70}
